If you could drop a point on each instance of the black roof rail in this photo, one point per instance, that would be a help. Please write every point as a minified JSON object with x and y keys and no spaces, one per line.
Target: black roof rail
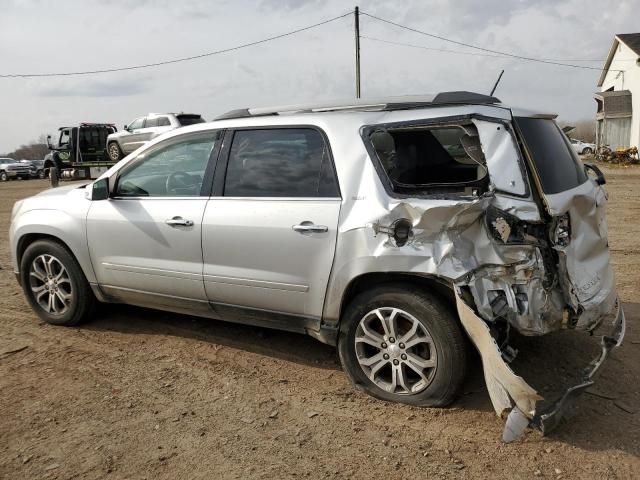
{"x":388,"y":104}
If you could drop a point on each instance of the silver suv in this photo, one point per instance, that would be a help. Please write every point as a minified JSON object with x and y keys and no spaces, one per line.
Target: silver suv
{"x":394,"y":229}
{"x":11,"y":169}
{"x":143,"y":129}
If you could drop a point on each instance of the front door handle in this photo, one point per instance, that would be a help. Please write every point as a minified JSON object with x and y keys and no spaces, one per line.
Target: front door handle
{"x":310,"y":227}
{"x":179,"y":222}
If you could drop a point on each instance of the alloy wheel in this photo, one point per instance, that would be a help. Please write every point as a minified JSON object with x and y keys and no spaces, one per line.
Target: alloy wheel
{"x":113,"y":152}
{"x":50,"y":284}
{"x":395,"y":351}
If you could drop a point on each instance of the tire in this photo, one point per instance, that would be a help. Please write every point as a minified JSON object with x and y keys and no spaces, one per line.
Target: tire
{"x":4,"y":177}
{"x":114,"y":152}
{"x":70,"y":284}
{"x":437,"y":386}
{"x":587,"y":151}
{"x":53,"y":177}
{"x":42,"y":174}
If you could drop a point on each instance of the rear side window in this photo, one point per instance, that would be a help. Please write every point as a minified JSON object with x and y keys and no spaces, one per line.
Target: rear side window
{"x":291,"y":162}
{"x":429,"y":159}
{"x":150,"y":122}
{"x":557,"y":165}
{"x":189,"y":119}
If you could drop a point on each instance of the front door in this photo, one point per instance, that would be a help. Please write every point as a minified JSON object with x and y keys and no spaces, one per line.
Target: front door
{"x":269,"y":236}
{"x":145,"y":241}
{"x":134,"y":139}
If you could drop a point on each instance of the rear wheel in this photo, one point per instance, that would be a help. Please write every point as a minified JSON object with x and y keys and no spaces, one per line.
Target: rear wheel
{"x":402,"y":344}
{"x":42,"y":174}
{"x":54,"y":284}
{"x":115,"y":154}
{"x":587,"y":151}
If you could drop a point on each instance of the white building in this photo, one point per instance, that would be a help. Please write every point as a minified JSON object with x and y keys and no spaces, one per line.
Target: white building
{"x":618,"y":115}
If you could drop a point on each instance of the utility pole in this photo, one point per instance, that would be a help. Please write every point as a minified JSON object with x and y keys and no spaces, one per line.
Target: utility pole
{"x":357,"y":32}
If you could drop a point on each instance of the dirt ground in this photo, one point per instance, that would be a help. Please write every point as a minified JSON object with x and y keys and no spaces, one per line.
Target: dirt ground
{"x":142,"y":394}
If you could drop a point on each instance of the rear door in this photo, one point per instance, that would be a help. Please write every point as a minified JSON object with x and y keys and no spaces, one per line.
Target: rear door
{"x":577,"y":207}
{"x":269,"y":231}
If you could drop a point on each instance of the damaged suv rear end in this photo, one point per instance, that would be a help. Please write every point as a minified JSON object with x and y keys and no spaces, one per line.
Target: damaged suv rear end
{"x":494,"y":202}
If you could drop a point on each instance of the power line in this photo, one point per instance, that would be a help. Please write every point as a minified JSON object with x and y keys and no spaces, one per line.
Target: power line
{"x":488,"y":50}
{"x":177,"y":60}
{"x":458,"y":52}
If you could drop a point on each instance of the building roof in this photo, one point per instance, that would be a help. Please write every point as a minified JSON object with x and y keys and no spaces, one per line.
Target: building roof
{"x":631,"y":40}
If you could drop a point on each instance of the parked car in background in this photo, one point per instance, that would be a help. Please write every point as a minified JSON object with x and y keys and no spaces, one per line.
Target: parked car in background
{"x":36,"y":168}
{"x":143,"y":129}
{"x":393,"y":229}
{"x":11,"y":169}
{"x":582,"y":148}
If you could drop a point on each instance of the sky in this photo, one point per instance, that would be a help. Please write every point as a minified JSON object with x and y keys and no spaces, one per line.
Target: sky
{"x":40,"y":36}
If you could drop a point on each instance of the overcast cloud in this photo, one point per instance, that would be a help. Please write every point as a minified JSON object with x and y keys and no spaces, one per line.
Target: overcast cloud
{"x":70,"y":35}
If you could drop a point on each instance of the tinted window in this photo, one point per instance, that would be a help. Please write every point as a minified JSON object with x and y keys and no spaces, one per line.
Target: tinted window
{"x":292,"y":162}
{"x":150,"y":122}
{"x":163,"y":122}
{"x":137,"y":123}
{"x":174,"y":170}
{"x":558,"y":167}
{"x":189,"y":119}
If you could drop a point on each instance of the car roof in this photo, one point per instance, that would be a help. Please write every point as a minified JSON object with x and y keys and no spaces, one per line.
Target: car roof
{"x":407,"y":102}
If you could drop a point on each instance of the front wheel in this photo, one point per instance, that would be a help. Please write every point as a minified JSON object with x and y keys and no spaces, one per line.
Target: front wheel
{"x":42,"y":174}
{"x":115,"y":154}
{"x":4,"y":177}
{"x":402,"y":344}
{"x":587,"y":151}
{"x":54,"y":284}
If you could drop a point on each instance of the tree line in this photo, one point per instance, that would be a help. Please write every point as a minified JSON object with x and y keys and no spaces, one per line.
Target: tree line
{"x":32,"y":151}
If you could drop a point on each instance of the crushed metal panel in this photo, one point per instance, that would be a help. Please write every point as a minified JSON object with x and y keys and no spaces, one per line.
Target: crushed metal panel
{"x":505,"y":387}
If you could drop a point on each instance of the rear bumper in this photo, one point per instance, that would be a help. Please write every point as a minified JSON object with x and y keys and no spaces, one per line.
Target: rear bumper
{"x":549,"y":418}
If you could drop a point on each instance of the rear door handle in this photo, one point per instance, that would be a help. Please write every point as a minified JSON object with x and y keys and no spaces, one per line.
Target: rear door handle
{"x":179,"y":222}
{"x":310,"y":227}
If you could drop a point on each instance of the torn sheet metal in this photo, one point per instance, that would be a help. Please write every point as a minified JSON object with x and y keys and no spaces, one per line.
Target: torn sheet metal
{"x":505,"y":387}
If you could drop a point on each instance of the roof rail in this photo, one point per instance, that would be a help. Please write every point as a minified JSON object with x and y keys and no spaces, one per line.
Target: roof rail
{"x":385,"y":104}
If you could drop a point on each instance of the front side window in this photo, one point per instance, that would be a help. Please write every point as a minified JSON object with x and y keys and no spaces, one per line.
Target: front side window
{"x":137,"y":123}
{"x":176,"y":169}
{"x":280,"y":162}
{"x":163,"y":122}
{"x":422,"y":159}
{"x":557,"y":165}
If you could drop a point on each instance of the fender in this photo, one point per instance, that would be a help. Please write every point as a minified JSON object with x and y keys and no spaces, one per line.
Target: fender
{"x":69,"y":229}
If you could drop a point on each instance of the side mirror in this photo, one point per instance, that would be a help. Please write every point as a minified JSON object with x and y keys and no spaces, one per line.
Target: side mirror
{"x":49,"y":146}
{"x":600,"y":180}
{"x":126,"y":127}
{"x":98,"y":190}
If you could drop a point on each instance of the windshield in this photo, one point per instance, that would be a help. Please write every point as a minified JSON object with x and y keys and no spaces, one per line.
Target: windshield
{"x":557,"y":165}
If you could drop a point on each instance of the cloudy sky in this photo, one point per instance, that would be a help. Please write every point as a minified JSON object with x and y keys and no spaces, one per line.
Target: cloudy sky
{"x":41,"y":36}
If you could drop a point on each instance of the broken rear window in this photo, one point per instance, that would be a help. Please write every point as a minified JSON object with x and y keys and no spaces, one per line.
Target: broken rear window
{"x":421,"y":159}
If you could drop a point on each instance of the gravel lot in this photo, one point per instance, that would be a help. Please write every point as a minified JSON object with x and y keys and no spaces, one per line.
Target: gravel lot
{"x":144,"y":394}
